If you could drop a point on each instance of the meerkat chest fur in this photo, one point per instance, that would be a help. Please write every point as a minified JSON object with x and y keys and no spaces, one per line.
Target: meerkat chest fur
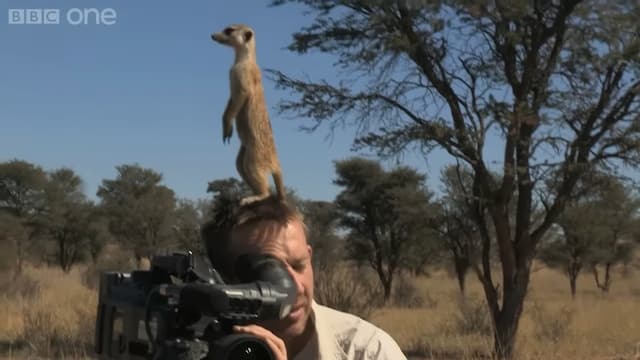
{"x":252,"y":120}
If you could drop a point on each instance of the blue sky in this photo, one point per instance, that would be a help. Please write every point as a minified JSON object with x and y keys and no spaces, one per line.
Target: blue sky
{"x":150,"y":89}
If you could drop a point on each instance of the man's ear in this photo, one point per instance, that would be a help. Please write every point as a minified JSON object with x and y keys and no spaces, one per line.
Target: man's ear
{"x":247,"y":36}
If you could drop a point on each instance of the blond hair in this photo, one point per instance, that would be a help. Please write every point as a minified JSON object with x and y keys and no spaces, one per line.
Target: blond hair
{"x":217,"y":233}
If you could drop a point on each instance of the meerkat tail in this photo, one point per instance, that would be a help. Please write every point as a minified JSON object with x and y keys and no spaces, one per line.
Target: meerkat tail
{"x":277,"y":180}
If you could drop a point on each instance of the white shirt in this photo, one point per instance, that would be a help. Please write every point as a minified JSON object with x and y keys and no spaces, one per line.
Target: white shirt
{"x":342,"y":336}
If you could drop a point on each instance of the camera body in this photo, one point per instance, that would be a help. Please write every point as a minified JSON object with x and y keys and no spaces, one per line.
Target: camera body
{"x":181,"y":309}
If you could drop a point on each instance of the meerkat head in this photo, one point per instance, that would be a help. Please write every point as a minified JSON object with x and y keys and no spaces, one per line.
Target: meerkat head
{"x":238,"y":36}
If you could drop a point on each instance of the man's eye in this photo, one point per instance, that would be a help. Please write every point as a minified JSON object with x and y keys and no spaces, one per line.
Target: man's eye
{"x":298,"y":267}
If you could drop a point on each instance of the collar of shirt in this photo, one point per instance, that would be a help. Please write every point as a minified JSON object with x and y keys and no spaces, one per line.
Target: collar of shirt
{"x":328,"y":346}
{"x":327,"y":343}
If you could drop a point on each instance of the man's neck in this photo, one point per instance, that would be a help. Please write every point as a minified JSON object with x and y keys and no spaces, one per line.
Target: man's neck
{"x":295,"y":345}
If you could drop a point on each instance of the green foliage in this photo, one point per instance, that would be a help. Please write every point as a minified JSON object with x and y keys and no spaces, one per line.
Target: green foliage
{"x":97,"y":233}
{"x":321,"y":220}
{"x":455,"y":221}
{"x":226,"y":195}
{"x":617,"y":213}
{"x":22,"y":201}
{"x":12,"y":234}
{"x":570,"y":250}
{"x":67,"y":218}
{"x":385,"y":214}
{"x":22,"y":187}
{"x":597,"y":228}
{"x":188,"y":218}
{"x":139,"y":208}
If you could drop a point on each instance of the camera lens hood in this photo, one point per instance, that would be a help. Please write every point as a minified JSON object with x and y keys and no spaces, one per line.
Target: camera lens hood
{"x":240,"y":347}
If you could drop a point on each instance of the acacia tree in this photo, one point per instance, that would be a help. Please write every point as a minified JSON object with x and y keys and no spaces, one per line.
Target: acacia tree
{"x":384,"y":213}
{"x":226,"y":195}
{"x":455,"y":222}
{"x":22,"y":201}
{"x":617,"y":209}
{"x":553,"y":84}
{"x":596,"y":227}
{"x":139,"y":208}
{"x":569,"y":250}
{"x":321,"y":220}
{"x":188,"y":217}
{"x":98,"y":234}
{"x":67,"y":217}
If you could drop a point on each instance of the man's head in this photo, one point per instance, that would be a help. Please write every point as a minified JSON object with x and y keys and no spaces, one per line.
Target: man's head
{"x":273,"y":227}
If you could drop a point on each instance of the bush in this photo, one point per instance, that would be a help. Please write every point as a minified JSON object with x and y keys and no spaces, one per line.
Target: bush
{"x":551,"y":326}
{"x":473,"y":318}
{"x":24,"y":286}
{"x":347,"y":289}
{"x":48,"y":314}
{"x":455,"y":348}
{"x":64,"y":331}
{"x":406,"y":295}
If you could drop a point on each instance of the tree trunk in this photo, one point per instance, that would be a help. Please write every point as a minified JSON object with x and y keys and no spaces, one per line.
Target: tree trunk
{"x":572,"y":283}
{"x":19,"y":258}
{"x":387,"y":292}
{"x":387,"y":282}
{"x":62,"y":256}
{"x":461,"y":267}
{"x":607,"y":278}
{"x":573,"y":271}
{"x":18,"y":267}
{"x":508,"y":318}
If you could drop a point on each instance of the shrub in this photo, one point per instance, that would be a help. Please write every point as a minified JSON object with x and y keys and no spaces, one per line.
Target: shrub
{"x":49,"y":315}
{"x":24,"y":286}
{"x":551,"y":326}
{"x":347,"y":289}
{"x":473,"y":318}
{"x":407,"y":295}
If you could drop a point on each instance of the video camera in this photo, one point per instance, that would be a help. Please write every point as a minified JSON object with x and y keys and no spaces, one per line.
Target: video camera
{"x":182,"y":309}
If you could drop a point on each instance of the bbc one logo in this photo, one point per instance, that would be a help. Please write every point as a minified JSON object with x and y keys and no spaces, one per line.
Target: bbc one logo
{"x":74,"y":16}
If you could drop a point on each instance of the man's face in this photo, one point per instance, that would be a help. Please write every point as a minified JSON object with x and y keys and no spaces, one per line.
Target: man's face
{"x":289,"y":244}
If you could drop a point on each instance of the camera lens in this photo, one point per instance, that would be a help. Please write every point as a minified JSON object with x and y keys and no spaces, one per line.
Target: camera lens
{"x":250,"y":350}
{"x":240,"y":347}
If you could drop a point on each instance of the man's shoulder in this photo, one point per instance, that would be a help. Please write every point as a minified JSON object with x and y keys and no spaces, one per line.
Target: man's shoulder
{"x":339,"y":319}
{"x":358,"y":337}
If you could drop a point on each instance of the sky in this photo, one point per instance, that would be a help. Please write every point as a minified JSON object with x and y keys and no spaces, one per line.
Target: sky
{"x":149,"y":88}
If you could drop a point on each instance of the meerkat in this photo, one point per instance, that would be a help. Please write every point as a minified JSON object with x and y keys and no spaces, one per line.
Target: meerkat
{"x":257,"y":157}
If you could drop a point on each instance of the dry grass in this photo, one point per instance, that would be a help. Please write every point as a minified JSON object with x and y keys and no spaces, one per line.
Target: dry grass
{"x":54,"y":318}
{"x":49,"y":314}
{"x":594,"y":326}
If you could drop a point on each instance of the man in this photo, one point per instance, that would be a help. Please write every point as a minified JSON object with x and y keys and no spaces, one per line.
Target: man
{"x":311,"y":331}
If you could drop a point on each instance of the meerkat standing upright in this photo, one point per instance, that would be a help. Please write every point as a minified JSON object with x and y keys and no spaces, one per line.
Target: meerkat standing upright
{"x":257,"y":157}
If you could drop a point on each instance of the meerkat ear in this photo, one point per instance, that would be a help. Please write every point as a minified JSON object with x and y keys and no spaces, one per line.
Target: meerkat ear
{"x":247,"y":36}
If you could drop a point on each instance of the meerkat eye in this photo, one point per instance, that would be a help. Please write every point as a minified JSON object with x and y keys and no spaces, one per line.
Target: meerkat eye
{"x":228,"y":31}
{"x":247,"y":36}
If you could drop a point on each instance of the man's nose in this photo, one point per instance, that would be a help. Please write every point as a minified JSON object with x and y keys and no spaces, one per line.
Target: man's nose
{"x":297,"y":279}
